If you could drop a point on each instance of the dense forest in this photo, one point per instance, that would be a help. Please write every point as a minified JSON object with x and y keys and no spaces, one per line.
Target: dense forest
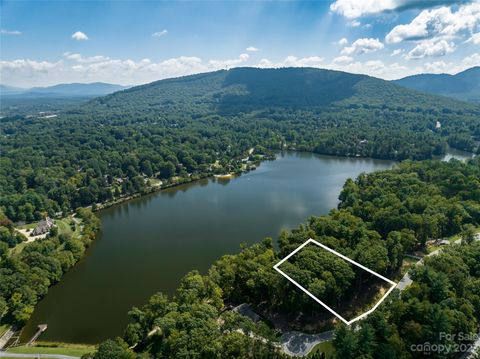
{"x":444,"y":297}
{"x":27,"y":273}
{"x":178,"y":130}
{"x":187,"y":128}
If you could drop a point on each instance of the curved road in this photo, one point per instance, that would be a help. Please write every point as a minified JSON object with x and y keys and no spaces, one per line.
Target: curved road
{"x":300,"y":344}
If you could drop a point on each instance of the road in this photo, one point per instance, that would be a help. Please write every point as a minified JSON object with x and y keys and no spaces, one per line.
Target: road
{"x":475,"y":347}
{"x":300,"y":344}
{"x":49,"y":356}
{"x":406,"y":280}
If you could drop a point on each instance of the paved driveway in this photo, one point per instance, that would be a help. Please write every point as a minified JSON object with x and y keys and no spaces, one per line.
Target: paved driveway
{"x":300,"y":344}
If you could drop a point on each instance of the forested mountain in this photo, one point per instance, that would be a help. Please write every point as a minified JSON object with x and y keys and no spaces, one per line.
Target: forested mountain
{"x":464,"y":86}
{"x":70,"y":90}
{"x":249,"y":89}
{"x":195,"y":126}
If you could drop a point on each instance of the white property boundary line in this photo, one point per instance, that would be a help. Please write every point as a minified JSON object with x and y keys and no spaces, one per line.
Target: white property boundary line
{"x":276,"y":267}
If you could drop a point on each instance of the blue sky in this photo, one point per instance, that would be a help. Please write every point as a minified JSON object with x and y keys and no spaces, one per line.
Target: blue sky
{"x":127,"y":42}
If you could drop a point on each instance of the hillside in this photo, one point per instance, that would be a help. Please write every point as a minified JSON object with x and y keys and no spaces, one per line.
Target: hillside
{"x":62,"y":90}
{"x":250,"y":89}
{"x":463,"y":86}
{"x":191,"y":127}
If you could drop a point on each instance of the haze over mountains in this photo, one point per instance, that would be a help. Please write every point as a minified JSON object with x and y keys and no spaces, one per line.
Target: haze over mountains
{"x":464,"y":86}
{"x":63,"y":90}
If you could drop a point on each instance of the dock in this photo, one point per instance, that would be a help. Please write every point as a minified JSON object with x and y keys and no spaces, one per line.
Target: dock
{"x":41,"y":329}
{"x":5,"y":338}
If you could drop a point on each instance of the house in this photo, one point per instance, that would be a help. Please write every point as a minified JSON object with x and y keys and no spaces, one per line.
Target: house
{"x":43,"y":227}
{"x":443,"y":242}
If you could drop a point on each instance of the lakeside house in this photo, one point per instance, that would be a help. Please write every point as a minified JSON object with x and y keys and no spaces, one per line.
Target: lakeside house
{"x":43,"y":227}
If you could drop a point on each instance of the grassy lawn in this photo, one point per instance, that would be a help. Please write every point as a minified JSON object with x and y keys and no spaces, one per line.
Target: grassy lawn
{"x":155,"y":182}
{"x":54,"y":348}
{"x":18,"y":248}
{"x":325,"y":347}
{"x":28,"y":226}
{"x":63,"y":228}
{"x":431,"y":249}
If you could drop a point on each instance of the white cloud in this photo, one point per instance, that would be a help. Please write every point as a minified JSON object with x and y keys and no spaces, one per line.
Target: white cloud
{"x":472,"y":60}
{"x":342,"y":60}
{"x":429,"y":48}
{"x":440,"y":22}
{"x":265,"y":63}
{"x":344,"y":63}
{"x":312,"y":61}
{"x":396,"y":52}
{"x":10,"y":32}
{"x":25,"y":72}
{"x":79,"y":36}
{"x":363,"y":46}
{"x":160,"y":33}
{"x":452,"y":67}
{"x":437,"y":67}
{"x":375,"y":68}
{"x":74,"y":67}
{"x":77,"y":68}
{"x":293,"y":61}
{"x":354,"y":23}
{"x":81,"y":59}
{"x":343,"y":41}
{"x":222,"y":64}
{"x":475,"y":39}
{"x":357,"y":8}
{"x":252,"y":49}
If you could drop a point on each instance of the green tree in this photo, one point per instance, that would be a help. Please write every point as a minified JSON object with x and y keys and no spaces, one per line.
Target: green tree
{"x":114,"y":349}
{"x":344,"y":342}
{"x":468,"y":233}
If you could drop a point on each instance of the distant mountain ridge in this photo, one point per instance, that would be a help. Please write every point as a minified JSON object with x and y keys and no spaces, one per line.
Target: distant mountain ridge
{"x":463,"y":86}
{"x":246,"y":89}
{"x":63,"y":90}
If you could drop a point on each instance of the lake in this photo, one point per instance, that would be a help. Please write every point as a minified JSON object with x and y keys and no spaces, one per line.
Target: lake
{"x":457,"y":154}
{"x":148,"y":244}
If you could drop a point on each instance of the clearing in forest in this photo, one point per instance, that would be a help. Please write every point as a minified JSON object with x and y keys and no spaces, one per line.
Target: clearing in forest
{"x":334,"y":280}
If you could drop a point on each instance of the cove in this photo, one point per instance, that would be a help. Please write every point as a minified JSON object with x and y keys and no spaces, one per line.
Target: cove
{"x":148,"y":244}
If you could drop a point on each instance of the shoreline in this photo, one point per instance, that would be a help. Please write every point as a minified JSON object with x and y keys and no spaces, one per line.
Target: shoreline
{"x":154,"y":189}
